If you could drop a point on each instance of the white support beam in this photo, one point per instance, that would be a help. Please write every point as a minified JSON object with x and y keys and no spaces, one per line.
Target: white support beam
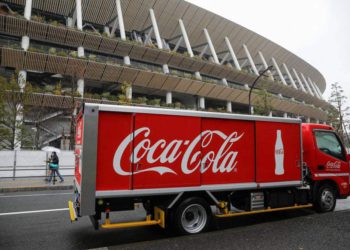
{"x":114,"y":27}
{"x":79,"y":15}
{"x":289,"y":76}
{"x":120,"y":20}
{"x":223,"y":60}
{"x":233,"y":55}
{"x":262,"y":58}
{"x":203,"y":51}
{"x":169,"y":98}
{"x":251,"y":62}
{"x":299,"y":81}
{"x":185,"y":37}
{"x":211,"y":46}
{"x":148,"y":36}
{"x":229,"y":106}
{"x":177,"y":45}
{"x":155,"y":28}
{"x":313,"y":88}
{"x":318,"y":90}
{"x":28,"y":10}
{"x":306,"y":84}
{"x":201,"y":102}
{"x":278,"y":71}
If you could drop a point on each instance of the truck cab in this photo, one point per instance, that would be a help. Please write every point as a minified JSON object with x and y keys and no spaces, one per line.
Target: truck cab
{"x":327,"y":164}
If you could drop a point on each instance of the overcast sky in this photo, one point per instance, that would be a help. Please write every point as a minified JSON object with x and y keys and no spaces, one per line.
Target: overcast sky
{"x":318,"y":31}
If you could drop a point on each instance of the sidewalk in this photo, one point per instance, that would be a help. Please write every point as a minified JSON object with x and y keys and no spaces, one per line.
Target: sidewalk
{"x":34,"y":184}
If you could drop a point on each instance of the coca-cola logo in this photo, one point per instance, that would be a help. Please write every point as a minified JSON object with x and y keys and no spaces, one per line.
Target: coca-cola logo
{"x":279,"y":151}
{"x":222,"y":160}
{"x":333,"y":165}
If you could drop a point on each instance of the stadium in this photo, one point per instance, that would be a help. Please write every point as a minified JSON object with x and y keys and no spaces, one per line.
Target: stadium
{"x":145,"y":52}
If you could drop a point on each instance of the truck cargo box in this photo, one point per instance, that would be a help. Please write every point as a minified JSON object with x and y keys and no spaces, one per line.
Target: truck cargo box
{"x":135,"y":151}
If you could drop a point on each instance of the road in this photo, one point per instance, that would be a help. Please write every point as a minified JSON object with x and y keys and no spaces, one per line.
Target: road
{"x":34,"y":220}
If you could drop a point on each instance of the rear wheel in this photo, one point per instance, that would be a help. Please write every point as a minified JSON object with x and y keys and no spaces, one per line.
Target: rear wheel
{"x":192,"y":216}
{"x":326,"y":199}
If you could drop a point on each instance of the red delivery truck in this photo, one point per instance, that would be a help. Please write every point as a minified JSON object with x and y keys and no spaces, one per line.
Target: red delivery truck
{"x":180,"y":164}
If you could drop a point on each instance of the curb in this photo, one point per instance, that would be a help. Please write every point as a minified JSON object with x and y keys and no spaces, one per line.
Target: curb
{"x":37,"y":188}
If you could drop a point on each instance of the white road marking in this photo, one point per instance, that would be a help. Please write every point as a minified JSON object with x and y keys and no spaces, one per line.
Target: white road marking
{"x":32,"y":195}
{"x":35,"y":211}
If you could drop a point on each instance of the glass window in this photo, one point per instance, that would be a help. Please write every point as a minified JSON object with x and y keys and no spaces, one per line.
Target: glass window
{"x":328,"y":143}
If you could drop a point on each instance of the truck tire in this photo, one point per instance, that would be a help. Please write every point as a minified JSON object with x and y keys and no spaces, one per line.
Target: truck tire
{"x":192,"y":216}
{"x":325,"y":199}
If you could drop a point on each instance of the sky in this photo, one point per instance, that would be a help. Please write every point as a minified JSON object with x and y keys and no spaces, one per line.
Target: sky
{"x":318,"y":31}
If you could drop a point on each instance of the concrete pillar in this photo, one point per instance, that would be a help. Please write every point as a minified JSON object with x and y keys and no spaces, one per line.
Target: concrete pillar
{"x":25,"y":42}
{"x":185,"y":37}
{"x":318,"y":121}
{"x":232,"y":53}
{"x":165,"y":69}
{"x":313,"y":88}
{"x":306,"y":84}
{"x":22,"y":79}
{"x":224,"y":81}
{"x":262,"y":58}
{"x":270,"y":114}
{"x":169,"y":98}
{"x":278,"y":71}
{"x":28,"y":10}
{"x":201,"y":102}
{"x":79,"y":15}
{"x":106,"y":30}
{"x":289,"y":76}
{"x":285,"y":115}
{"x":155,"y":28}
{"x":308,"y":120}
{"x":129,"y":93}
{"x":252,"y":110}
{"x":127,"y":60}
{"x":211,"y":46}
{"x":251,"y":62}
{"x":229,"y":106}
{"x":69,"y":22}
{"x":299,"y":81}
{"x":80,"y":87}
{"x":198,"y":75}
{"x":120,"y":20}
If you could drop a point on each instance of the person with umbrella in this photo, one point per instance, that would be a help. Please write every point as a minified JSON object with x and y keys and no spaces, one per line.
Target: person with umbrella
{"x":54,"y":165}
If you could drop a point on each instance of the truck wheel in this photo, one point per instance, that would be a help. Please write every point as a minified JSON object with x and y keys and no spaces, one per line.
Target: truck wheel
{"x":325,"y":199}
{"x":192,"y":216}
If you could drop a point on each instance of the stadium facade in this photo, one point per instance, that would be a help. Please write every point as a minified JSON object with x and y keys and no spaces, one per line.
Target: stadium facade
{"x":158,"y":52}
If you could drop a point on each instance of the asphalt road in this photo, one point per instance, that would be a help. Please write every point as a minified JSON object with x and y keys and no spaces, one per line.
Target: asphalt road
{"x":40,"y":220}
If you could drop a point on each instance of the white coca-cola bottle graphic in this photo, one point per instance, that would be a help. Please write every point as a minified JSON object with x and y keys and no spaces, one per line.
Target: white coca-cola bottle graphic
{"x":279,"y":154}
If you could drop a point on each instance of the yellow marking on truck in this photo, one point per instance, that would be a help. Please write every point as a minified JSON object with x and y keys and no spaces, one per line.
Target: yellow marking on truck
{"x":73,"y":216}
{"x":233,"y":214}
{"x":159,"y":216}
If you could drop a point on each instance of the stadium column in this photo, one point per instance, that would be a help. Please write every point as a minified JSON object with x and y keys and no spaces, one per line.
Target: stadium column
{"x":313,"y":88}
{"x":262,"y":58}
{"x":278,"y":71}
{"x":299,"y":81}
{"x":306,"y":84}
{"x":188,"y":46}
{"x":120,"y":21}
{"x":22,"y":79}
{"x":232,"y":53}
{"x":318,"y":90}
{"x":81,"y":51}
{"x":308,"y":120}
{"x":250,"y":59}
{"x":160,"y":46}
{"x":289,"y":76}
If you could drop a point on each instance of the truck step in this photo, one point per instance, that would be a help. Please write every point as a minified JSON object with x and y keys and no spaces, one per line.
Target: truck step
{"x":233,"y":214}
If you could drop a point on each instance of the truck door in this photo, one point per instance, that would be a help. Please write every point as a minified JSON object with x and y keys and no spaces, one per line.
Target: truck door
{"x":330,"y":156}
{"x":166,"y":151}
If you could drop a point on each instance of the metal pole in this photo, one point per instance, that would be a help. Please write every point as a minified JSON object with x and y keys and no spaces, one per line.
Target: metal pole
{"x":253,"y":85}
{"x":14,"y":165}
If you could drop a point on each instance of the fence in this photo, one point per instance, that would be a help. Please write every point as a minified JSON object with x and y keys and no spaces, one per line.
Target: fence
{"x":14,"y":164}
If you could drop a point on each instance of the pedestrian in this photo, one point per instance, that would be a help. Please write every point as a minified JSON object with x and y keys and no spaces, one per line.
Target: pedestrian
{"x":54,"y":165}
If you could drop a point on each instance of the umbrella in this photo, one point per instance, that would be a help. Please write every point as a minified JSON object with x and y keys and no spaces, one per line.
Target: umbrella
{"x":51,"y":149}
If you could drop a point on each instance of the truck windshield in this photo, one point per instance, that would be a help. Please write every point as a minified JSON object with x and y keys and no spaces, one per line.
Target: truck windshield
{"x":329,"y":143}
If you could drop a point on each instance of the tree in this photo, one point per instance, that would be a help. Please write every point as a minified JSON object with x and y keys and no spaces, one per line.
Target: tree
{"x":263,"y":105}
{"x":13,"y":132}
{"x":339,"y":116}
